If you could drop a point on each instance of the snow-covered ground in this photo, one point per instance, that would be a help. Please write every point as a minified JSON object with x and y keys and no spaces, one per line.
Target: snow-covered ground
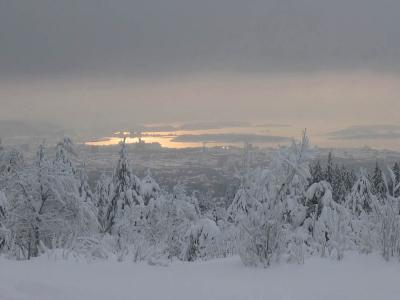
{"x":357,"y":277}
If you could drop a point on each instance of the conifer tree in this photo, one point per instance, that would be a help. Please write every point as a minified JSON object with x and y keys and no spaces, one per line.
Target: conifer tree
{"x":361,"y":200}
{"x":329,"y":169}
{"x":63,"y":159}
{"x":378,"y":183}
{"x":396,"y":171}
{"x":84,"y":189}
{"x":11,"y":162}
{"x":149,"y":188}
{"x":102,"y":200}
{"x":3,"y":219}
{"x":125,"y":192}
{"x":317,"y":173}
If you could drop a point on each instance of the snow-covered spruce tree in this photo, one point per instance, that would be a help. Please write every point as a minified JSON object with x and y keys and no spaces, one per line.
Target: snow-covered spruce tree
{"x":378,"y":183}
{"x":63,"y":157}
{"x":327,"y":221}
{"x":228,"y":232}
{"x":216,"y":211}
{"x":186,"y":213}
{"x":102,"y":198}
{"x":388,"y":219}
{"x":126,"y":214}
{"x":175,"y":228}
{"x":329,"y":169}
{"x":124,"y":194}
{"x":44,"y":205}
{"x":361,"y":199}
{"x":317,"y":173}
{"x":206,"y":201}
{"x":87,"y":198}
{"x":343,"y":180}
{"x":148,"y":222}
{"x":149,"y":189}
{"x":362,"y":205}
{"x":83,"y":185}
{"x":337,"y":184}
{"x":267,"y":207}
{"x":176,"y":218}
{"x":159,"y":228}
{"x":396,"y":179}
{"x":348,"y":180}
{"x":4,"y":233}
{"x":138,"y":229}
{"x":11,"y":161}
{"x":336,"y":176}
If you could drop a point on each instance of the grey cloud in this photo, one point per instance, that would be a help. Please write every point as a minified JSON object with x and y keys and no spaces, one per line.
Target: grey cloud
{"x":231,"y":138}
{"x":47,"y":37}
{"x":273,"y":125}
{"x":10,"y":128}
{"x":213,"y":125}
{"x":367,"y":132}
{"x":158,"y":128}
{"x":193,"y":126}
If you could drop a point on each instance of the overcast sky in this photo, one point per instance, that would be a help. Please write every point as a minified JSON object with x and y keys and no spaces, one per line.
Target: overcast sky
{"x":100,"y":62}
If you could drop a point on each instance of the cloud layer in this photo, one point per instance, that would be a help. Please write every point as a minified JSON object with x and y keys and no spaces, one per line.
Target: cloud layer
{"x":367,"y":132}
{"x":230,"y":138}
{"x":101,"y":65}
{"x":47,"y":37}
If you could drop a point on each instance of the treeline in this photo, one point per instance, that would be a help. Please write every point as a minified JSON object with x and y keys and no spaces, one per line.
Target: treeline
{"x":292,"y":209}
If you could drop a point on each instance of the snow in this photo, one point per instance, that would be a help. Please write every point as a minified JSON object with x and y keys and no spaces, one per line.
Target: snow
{"x":3,"y":199}
{"x":356,"y":277}
{"x":206,"y":227}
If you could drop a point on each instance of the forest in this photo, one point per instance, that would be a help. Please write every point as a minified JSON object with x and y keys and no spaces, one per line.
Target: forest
{"x":295,"y":208}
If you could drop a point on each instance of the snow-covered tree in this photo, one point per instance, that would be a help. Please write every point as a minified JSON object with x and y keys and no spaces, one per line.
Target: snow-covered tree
{"x":177,"y":219}
{"x":125,"y":193}
{"x":84,"y":189}
{"x":202,"y":240}
{"x":361,"y":199}
{"x":338,"y":189}
{"x":327,"y":221}
{"x":217,"y":211}
{"x":149,"y":188}
{"x":329,"y":168}
{"x":102,"y":200}
{"x":388,"y":218}
{"x":187,"y":203}
{"x":363,"y":207}
{"x":65,"y":165}
{"x":396,"y":179}
{"x":45,"y":204}
{"x":4,"y":233}
{"x":63,"y":158}
{"x":65,"y":162}
{"x":317,"y":173}
{"x":378,"y":183}
{"x":177,"y":214}
{"x":11,"y":161}
{"x":268,"y":204}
